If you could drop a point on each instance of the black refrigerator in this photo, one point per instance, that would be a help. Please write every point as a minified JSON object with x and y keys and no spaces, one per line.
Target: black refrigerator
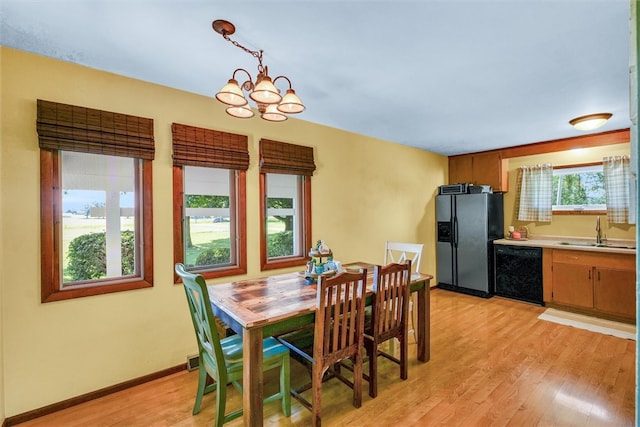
{"x":467,"y":226}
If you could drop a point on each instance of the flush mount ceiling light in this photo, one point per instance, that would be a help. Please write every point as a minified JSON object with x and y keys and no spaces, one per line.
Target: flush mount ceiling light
{"x":271,"y":105}
{"x":591,"y":121}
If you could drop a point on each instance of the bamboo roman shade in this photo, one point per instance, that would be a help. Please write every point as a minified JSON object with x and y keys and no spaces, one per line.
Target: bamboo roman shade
{"x":280,"y":157}
{"x":73,"y":128}
{"x":193,"y":146}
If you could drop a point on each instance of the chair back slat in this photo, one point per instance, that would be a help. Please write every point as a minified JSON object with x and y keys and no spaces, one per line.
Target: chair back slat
{"x":340,"y":305}
{"x":399,"y":252}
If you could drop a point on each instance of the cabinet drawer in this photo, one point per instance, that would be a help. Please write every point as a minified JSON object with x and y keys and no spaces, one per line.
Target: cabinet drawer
{"x":621,"y":261}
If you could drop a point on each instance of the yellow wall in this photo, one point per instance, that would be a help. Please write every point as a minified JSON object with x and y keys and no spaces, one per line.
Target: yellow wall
{"x":364,"y":192}
{"x":566,"y":225}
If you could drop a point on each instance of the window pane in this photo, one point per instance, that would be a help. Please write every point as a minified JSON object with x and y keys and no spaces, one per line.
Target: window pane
{"x":100,"y":236}
{"x":283,"y":222}
{"x":579,"y":188}
{"x":208,"y":219}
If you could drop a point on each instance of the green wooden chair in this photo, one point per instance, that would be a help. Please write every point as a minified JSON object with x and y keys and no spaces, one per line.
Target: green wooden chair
{"x":221,"y":359}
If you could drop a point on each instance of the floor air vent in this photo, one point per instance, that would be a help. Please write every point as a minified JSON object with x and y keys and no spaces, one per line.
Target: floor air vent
{"x":192,"y":362}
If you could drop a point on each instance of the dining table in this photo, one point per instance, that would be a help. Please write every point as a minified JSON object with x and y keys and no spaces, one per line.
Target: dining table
{"x":272,"y":305}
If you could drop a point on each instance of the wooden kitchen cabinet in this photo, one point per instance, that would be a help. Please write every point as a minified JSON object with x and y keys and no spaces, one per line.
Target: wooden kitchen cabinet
{"x":573,"y":284}
{"x":597,"y":283}
{"x":480,"y":169}
{"x":460,"y":169}
{"x":613,"y":292}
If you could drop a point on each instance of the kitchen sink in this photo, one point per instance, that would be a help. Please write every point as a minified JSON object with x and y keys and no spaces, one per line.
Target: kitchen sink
{"x":617,"y":246}
{"x":578,"y":244}
{"x":602,"y":245}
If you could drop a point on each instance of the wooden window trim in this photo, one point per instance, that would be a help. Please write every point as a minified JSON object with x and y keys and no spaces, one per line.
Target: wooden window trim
{"x":50,"y":223}
{"x":265,"y":262}
{"x":577,"y":165}
{"x":201,"y":147}
{"x":592,"y":212}
{"x":240,"y":202}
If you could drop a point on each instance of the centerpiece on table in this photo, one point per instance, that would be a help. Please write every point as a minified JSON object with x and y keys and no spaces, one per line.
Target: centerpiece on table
{"x":321,"y":262}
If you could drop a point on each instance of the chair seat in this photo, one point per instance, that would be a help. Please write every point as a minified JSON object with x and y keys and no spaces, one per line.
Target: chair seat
{"x":232,"y":350}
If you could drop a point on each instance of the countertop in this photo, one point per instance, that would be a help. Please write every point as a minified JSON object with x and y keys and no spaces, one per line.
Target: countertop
{"x":576,"y":244}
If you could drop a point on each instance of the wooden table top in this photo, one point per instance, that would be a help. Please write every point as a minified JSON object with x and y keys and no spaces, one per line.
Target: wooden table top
{"x":259,"y":302}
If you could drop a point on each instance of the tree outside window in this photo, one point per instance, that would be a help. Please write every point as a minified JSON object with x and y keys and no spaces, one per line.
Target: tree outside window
{"x":579,"y":188}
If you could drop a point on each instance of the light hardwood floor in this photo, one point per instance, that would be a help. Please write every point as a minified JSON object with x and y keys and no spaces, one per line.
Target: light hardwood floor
{"x":493,"y":363}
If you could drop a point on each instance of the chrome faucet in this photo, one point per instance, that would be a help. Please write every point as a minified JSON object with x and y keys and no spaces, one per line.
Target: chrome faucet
{"x":598,"y":234}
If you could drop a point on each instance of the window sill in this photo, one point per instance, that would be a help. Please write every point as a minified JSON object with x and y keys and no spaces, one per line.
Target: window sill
{"x":584,"y":212}
{"x":283,"y":263}
{"x":213,"y":274}
{"x":49,"y":295}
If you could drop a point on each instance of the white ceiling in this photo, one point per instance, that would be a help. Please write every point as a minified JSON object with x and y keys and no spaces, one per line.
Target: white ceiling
{"x":449,"y":76}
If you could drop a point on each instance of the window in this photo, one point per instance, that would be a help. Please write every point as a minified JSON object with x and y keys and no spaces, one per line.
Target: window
{"x":95,"y":201}
{"x":578,"y":189}
{"x":209,"y":184}
{"x":285,"y":191}
{"x":284,"y":205}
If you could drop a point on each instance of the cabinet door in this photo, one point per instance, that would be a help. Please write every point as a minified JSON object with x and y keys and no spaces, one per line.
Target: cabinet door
{"x":615,"y":291}
{"x":460,"y":169}
{"x":487,"y":169}
{"x":573,"y":284}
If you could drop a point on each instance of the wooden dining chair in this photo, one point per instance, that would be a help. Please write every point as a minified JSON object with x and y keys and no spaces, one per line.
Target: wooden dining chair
{"x":389,"y":318}
{"x":221,"y":359}
{"x":399,"y":252}
{"x":336,"y":335}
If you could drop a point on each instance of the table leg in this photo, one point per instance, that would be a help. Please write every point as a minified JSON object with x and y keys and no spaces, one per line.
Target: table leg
{"x":252,"y":377}
{"x":424,"y":323}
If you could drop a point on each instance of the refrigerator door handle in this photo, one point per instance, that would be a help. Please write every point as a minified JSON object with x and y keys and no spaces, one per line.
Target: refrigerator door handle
{"x":455,"y":231}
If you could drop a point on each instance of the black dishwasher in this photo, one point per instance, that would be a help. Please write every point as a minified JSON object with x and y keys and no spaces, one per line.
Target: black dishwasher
{"x":518,"y":272}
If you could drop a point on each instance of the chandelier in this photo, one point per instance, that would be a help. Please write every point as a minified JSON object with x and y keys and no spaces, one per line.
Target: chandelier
{"x":271,"y":105}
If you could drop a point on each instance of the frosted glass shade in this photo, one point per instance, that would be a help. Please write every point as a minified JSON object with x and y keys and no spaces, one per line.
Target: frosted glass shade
{"x":290,"y":103}
{"x":272,"y":114}
{"x":240,"y":111}
{"x":265,"y":92}
{"x":231,"y":94}
{"x":591,"y":121}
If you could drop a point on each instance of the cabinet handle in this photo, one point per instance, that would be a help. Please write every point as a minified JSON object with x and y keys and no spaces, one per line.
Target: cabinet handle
{"x":598,"y":276}
{"x":589,"y":274}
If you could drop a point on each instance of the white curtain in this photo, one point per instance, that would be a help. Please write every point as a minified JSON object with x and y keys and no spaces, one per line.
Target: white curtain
{"x":535,"y":193}
{"x":619,"y":194}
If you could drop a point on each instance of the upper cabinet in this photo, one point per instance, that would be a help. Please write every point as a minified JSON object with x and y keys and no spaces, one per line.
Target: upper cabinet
{"x":460,"y":169}
{"x":481,"y":169}
{"x":492,"y":167}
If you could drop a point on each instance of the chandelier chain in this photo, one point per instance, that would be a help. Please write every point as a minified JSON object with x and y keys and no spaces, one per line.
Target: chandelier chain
{"x":254,"y":53}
